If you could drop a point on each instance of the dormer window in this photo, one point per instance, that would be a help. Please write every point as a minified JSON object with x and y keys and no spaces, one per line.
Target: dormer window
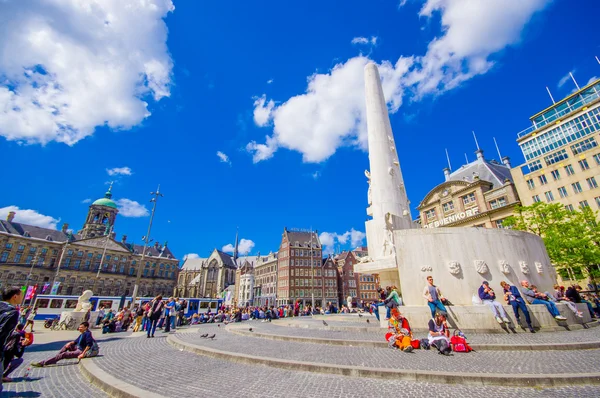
{"x":49,"y":238}
{"x":27,"y":234}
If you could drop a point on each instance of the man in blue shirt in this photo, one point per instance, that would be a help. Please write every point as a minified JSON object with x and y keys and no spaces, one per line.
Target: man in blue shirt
{"x":514,"y":298}
{"x":488,"y":297}
{"x":77,"y":348}
{"x":540,"y":298}
{"x":169,"y":315}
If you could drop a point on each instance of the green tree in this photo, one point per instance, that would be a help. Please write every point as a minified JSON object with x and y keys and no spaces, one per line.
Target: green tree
{"x":572,"y":239}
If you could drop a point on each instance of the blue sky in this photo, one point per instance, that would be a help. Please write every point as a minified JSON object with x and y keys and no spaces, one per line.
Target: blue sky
{"x":157,"y":92}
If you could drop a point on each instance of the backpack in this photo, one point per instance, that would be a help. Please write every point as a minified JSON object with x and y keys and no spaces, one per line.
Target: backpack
{"x":459,"y":343}
{"x":93,"y":351}
{"x":425,"y":344}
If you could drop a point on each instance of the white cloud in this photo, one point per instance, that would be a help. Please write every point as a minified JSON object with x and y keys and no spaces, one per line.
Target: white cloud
{"x":316,"y":175}
{"x":262,"y":111}
{"x":190,"y":256}
{"x":131,"y":208}
{"x":330,"y":239}
{"x":244,"y":247}
{"x":365,"y":40}
{"x":592,"y":79}
{"x":331,"y":112}
{"x":88,"y":200}
{"x":29,"y":217}
{"x":68,"y":67}
{"x":119,"y":171}
{"x":563,"y":80}
{"x":223,"y":157}
{"x":270,"y":81}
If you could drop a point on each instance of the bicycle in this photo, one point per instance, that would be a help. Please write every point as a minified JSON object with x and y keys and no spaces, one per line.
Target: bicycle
{"x":67,"y":324}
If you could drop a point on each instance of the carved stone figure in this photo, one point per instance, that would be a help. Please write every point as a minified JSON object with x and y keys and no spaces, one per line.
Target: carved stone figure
{"x":426,"y":268}
{"x":481,"y":266}
{"x":388,"y":237}
{"x":83,"y":303}
{"x":539,"y":267}
{"x":391,"y":171}
{"x":369,"y":197}
{"x":454,"y":267}
{"x":524,"y":267}
{"x":365,"y":259}
{"x":504,"y":267}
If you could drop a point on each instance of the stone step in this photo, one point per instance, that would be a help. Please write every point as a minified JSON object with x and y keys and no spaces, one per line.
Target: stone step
{"x":525,"y":368}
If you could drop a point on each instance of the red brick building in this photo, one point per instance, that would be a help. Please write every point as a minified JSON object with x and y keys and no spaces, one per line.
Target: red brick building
{"x":348,"y":282}
{"x":302,"y":271}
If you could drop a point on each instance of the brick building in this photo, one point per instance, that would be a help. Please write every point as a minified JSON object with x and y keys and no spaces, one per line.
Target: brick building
{"x":302,"y":272}
{"x":265,"y":280}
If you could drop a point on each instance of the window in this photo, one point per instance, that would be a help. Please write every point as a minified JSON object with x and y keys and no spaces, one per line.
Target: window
{"x":4,"y":257}
{"x":549,"y":196}
{"x":28,"y":260}
{"x":56,"y":303}
{"x":584,"y":145}
{"x":556,"y":157}
{"x":429,"y":214}
{"x":543,"y":179}
{"x":597,"y":158}
{"x":530,"y":184}
{"x":448,"y":206}
{"x":8,"y":246}
{"x":569,"y":170}
{"x":555,"y":175}
{"x":32,"y":249}
{"x":562,"y":192}
{"x":533,"y":166}
{"x":44,"y":251}
{"x":584,"y":203}
{"x":496,"y":203}
{"x":21,"y":248}
{"x":70,"y":252}
{"x":597,"y":199}
{"x":569,"y":208}
{"x":67,"y":262}
{"x":592,"y":182}
{"x":79,"y":254}
{"x":584,"y":164}
{"x":535,"y":198}
{"x":90,"y":255}
{"x":576,"y":187}
{"x":71,"y":304}
{"x":77,"y":264}
{"x":17,"y":257}
{"x":42,"y":303}
{"x":87,"y":265}
{"x":467,"y":199}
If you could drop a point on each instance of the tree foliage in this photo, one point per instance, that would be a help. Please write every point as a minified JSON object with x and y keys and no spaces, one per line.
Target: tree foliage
{"x":572,"y":239}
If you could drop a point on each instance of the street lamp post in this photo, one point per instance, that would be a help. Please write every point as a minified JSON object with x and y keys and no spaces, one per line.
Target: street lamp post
{"x":102,"y":258}
{"x":62,"y":254}
{"x":154,"y":200}
{"x":312,"y":274}
{"x":35,"y":259}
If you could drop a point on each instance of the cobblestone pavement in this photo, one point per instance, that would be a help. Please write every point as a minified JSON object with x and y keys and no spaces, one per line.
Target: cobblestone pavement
{"x":187,"y":374}
{"x":316,"y":329}
{"x":509,"y":362}
{"x":61,"y":380}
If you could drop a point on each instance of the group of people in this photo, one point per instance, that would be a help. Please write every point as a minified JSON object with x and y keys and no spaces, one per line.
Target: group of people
{"x":14,"y":319}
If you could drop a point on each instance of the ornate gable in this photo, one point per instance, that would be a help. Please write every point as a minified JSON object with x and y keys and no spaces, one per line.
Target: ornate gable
{"x":442,"y":191}
{"x":98,"y":243}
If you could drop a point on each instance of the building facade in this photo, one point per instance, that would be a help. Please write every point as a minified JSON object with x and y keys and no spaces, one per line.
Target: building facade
{"x":206,"y":277}
{"x":302,"y":273}
{"x":265,"y":280}
{"x":244,"y":281}
{"x":367,"y":287}
{"x":348,"y":285}
{"x":91,"y":259}
{"x":562,"y":157}
{"x":479,"y":194}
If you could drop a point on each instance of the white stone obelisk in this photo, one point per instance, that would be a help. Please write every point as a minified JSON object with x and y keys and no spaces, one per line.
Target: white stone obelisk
{"x":388,"y":204}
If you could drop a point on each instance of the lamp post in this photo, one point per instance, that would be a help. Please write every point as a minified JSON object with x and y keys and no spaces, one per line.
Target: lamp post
{"x":312,"y":274}
{"x":62,"y":254}
{"x":108,"y":232}
{"x":146,"y":239}
{"x":35,"y":259}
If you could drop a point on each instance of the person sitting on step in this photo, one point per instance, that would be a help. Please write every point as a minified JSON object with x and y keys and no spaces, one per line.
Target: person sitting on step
{"x":514,"y":298}
{"x":488,"y":297}
{"x":540,"y":298}
{"x":559,"y":296}
{"x":399,"y":334}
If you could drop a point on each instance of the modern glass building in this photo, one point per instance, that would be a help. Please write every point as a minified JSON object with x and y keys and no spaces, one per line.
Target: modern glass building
{"x":561,"y":152}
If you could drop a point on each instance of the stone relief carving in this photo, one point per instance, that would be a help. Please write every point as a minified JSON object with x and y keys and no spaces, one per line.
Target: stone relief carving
{"x":365,"y":259}
{"x":454,"y":267}
{"x":481,"y":266}
{"x":391,"y":171}
{"x":539,"y":267}
{"x":426,"y":268}
{"x":524,"y":267}
{"x":369,"y":198}
{"x":388,"y":248}
{"x":504,"y":267}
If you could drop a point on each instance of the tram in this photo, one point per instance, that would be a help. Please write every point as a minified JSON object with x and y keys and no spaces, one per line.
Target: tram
{"x":52,"y":305}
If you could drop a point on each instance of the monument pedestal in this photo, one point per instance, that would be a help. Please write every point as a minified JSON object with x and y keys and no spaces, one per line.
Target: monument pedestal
{"x":79,"y":316}
{"x":479,"y":318}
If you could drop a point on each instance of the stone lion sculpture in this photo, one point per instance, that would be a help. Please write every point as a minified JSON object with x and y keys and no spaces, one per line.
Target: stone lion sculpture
{"x":83,"y":303}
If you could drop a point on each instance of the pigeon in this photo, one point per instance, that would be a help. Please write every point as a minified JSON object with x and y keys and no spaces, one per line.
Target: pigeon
{"x":250,"y":329}
{"x":368,"y":321}
{"x":212,"y":337}
{"x":360,"y":315}
{"x":219,"y":325}
{"x":204,"y":335}
{"x":325,"y":323}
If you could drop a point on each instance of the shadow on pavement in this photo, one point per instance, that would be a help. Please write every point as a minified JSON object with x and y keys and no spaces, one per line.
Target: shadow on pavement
{"x":57,"y":345}
{"x":21,"y":394}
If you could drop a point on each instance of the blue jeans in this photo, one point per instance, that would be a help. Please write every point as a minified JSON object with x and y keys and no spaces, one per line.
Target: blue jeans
{"x":516,"y":304}
{"x":436,"y":305}
{"x":376,"y":309}
{"x":152,"y":326}
{"x":590,"y":308}
{"x":549,"y":305}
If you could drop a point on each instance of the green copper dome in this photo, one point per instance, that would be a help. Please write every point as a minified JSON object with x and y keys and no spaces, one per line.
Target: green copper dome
{"x":106,"y":200}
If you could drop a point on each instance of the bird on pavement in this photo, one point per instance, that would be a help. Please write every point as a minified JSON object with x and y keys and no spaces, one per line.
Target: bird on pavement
{"x":204,"y":335}
{"x":250,"y":329}
{"x":368,"y":321}
{"x":325,"y":323}
{"x":219,"y":325}
{"x":212,"y":337}
{"x":360,"y":315}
